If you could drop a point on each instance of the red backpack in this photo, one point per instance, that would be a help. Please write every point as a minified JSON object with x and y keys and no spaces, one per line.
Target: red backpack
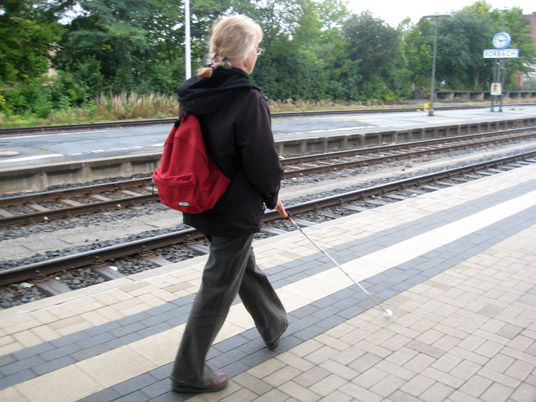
{"x":187,"y":179}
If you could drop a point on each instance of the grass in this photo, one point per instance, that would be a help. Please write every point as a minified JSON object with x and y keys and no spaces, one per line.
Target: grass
{"x":134,"y":107}
{"x":102,"y":109}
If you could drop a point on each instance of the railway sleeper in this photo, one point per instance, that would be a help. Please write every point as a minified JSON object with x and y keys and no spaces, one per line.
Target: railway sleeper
{"x":431,"y":188}
{"x":107,"y":271}
{"x":130,"y":193}
{"x":272,"y":231}
{"x":354,"y":208}
{"x":200,"y":248}
{"x":155,"y":259}
{"x":376,"y":202}
{"x":303,"y":222}
{"x":37,"y":207}
{"x":71,"y":203}
{"x":5,"y":214}
{"x":400,"y":197}
{"x":99,"y":197}
{"x":52,"y":286}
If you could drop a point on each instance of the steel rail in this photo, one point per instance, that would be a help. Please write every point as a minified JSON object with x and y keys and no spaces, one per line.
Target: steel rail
{"x":391,"y":157}
{"x":41,"y":270}
{"x":76,"y":210}
{"x":462,"y":142}
{"x":55,"y":194}
{"x":53,"y":266}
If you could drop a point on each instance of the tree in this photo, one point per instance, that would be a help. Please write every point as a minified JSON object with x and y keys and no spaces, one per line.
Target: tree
{"x":460,"y":45}
{"x":518,"y":27}
{"x":462,"y":40}
{"x":28,"y":37}
{"x":418,"y":50}
{"x":376,"y":47}
{"x":113,"y":32}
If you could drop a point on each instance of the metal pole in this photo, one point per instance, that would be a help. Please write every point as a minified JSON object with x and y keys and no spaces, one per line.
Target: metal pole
{"x":188,"y":62}
{"x":503,"y":65}
{"x":432,"y":95}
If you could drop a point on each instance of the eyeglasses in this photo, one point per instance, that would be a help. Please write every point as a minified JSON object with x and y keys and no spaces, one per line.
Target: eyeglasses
{"x":259,"y":51}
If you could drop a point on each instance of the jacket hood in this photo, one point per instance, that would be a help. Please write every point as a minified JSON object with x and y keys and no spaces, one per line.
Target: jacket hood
{"x":203,"y":96}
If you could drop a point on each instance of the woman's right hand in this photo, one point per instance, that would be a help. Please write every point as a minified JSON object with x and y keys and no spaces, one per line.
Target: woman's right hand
{"x":280,"y":208}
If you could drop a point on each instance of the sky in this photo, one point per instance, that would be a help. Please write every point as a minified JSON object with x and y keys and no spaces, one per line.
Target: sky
{"x":394,"y":11}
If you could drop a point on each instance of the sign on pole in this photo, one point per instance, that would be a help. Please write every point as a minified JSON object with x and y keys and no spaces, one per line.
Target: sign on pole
{"x":496,"y":89}
{"x":501,"y":53}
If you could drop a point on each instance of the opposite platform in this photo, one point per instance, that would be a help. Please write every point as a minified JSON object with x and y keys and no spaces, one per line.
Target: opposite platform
{"x":457,"y":267}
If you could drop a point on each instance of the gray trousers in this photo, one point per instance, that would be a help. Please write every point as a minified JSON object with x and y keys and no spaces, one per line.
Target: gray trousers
{"x":230,"y":269}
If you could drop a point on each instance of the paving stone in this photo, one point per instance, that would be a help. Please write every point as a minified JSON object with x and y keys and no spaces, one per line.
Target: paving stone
{"x":437,"y":393}
{"x":8,"y":359}
{"x":387,"y":385}
{"x":328,"y":385}
{"x":524,"y":393}
{"x":363,"y":363}
{"x":281,"y":376}
{"x":476,"y":386}
{"x":104,"y":395}
{"x":21,"y":365}
{"x":519,"y":370}
{"x":496,"y":393}
{"x":361,"y":394}
{"x":16,"y":378}
{"x":252,"y":383}
{"x":442,"y":377}
{"x":33,"y":351}
{"x":157,"y":388}
{"x":274,"y":395}
{"x":417,"y":385}
{"x":59,"y":352}
{"x":465,"y":370}
{"x":134,"y":384}
{"x":53,"y":365}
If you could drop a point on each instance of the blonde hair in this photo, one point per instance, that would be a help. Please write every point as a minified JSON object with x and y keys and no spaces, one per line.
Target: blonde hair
{"x":232,"y":39}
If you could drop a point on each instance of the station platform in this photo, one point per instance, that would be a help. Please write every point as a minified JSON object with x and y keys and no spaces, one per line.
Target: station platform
{"x":457,"y":266}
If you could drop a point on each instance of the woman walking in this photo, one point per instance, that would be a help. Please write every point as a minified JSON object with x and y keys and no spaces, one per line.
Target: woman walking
{"x":236,"y":125}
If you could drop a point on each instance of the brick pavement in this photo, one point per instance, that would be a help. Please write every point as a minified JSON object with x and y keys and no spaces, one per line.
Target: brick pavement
{"x":456,"y":266}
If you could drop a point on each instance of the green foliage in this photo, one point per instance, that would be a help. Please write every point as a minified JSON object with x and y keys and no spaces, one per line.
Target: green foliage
{"x":27,"y":40}
{"x":376,"y":49}
{"x":114,"y":34}
{"x":108,"y":53}
{"x":462,"y":39}
{"x":460,"y":45}
{"x":519,"y":29}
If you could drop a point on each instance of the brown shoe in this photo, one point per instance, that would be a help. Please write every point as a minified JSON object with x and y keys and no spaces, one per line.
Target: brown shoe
{"x":217,"y":384}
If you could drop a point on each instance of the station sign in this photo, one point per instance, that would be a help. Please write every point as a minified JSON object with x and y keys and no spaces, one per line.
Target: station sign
{"x":501,"y":53}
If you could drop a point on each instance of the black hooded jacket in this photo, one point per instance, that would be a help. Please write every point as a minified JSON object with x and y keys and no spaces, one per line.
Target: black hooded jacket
{"x":236,"y":125}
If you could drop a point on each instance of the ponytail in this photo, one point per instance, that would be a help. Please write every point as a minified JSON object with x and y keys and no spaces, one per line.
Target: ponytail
{"x":232,"y":38}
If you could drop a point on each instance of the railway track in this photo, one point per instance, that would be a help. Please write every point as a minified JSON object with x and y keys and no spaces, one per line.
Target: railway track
{"x":42,"y":274}
{"x":34,"y":208}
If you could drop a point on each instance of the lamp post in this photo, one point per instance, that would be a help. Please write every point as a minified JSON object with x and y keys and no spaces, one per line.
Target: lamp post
{"x":503,"y":62}
{"x":432,"y":95}
{"x":187,"y":52}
